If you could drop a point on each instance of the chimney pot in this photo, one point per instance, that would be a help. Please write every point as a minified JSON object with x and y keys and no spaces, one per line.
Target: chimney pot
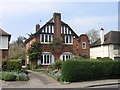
{"x":37,"y":27}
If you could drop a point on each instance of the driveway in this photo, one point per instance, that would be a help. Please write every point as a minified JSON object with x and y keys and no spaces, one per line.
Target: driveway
{"x":40,"y":80}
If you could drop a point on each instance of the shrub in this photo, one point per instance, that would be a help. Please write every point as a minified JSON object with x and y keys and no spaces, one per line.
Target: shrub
{"x":23,"y":71}
{"x":21,"y":78}
{"x":82,"y":70}
{"x":57,"y":64}
{"x":77,"y":58}
{"x":12,"y":65}
{"x":105,"y":58}
{"x":1,"y":76}
{"x":9,"y":77}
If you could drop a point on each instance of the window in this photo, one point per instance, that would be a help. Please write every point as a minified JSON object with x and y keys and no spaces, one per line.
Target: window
{"x":67,"y":39}
{"x":48,"y":29}
{"x":45,"y":38}
{"x":66,"y":56}
{"x":45,"y":59}
{"x":83,"y":45}
{"x":116,"y":47}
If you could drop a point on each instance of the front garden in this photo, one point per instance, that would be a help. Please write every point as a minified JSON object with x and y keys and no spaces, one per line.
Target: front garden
{"x":83,"y":70}
{"x":12,"y":71}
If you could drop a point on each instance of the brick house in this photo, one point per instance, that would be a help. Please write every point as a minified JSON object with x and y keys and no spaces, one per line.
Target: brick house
{"x":4,"y":43}
{"x":68,"y":42}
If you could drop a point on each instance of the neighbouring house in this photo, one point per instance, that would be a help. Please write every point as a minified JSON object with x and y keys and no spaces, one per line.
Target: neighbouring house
{"x":4,"y":43}
{"x":68,"y":42}
{"x":107,"y":45}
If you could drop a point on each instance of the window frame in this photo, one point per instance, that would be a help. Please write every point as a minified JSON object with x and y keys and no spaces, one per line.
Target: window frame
{"x":47,"y":39}
{"x":45,"y":60}
{"x":68,"y":39}
{"x":82,"y":45}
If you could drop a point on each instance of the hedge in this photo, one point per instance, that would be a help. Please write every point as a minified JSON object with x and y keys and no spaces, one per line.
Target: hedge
{"x":12,"y":65}
{"x":83,"y":70}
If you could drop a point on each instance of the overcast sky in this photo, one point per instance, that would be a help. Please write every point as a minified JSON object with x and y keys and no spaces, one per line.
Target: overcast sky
{"x":19,"y":17}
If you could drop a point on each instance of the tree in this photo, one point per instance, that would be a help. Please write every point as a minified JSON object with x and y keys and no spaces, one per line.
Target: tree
{"x":93,"y":35}
{"x":20,"y":40}
{"x":34,"y":51}
{"x":17,"y":51}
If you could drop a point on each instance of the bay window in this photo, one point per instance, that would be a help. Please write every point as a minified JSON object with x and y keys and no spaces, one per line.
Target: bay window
{"x":46,"y":59}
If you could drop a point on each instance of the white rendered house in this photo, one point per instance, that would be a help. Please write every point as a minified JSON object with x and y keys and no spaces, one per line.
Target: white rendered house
{"x":107,"y":45}
{"x":4,"y":43}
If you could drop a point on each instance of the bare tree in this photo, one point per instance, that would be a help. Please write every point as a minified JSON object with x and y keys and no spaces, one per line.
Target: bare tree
{"x":93,"y":35}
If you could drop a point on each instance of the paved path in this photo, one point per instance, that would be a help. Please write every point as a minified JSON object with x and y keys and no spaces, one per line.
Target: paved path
{"x":40,"y":80}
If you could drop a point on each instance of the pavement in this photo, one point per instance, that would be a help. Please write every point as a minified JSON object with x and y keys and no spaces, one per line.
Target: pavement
{"x":41,"y":80}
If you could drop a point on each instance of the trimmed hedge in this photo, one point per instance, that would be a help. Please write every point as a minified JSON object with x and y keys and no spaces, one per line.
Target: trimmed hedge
{"x":12,"y":65}
{"x":81,"y":70}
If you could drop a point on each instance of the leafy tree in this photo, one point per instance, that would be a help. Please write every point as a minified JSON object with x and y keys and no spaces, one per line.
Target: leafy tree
{"x":34,"y":51}
{"x":20,"y":40}
{"x":17,"y":51}
{"x":93,"y":35}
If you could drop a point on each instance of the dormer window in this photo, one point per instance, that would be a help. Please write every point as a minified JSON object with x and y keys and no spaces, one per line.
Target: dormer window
{"x":46,"y":38}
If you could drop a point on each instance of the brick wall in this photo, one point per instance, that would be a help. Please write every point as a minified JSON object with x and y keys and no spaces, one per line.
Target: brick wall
{"x":3,"y":53}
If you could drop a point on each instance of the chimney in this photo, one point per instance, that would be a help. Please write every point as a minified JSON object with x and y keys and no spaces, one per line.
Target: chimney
{"x":37,"y":27}
{"x":57,"y":25}
{"x":102,"y":35}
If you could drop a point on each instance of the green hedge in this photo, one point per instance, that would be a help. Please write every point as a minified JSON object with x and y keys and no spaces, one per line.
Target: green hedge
{"x":81,"y":70}
{"x":12,"y":65}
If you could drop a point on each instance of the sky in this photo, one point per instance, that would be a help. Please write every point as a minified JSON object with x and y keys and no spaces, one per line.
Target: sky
{"x":19,"y":17}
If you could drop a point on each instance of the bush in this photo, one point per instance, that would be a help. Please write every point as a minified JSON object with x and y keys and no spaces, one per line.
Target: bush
{"x":1,"y":76}
{"x":12,"y":65}
{"x":22,"y":78}
{"x":105,"y":58}
{"x":9,"y":77}
{"x":57,"y":64}
{"x":82,"y":70}
{"x":23,"y":71}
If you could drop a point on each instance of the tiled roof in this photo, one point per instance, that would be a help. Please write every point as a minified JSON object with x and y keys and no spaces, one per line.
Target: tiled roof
{"x":112,"y":37}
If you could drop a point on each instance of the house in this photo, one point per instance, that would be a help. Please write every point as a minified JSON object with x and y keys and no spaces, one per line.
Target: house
{"x":107,"y":45}
{"x":4,"y":43}
{"x":68,"y":43}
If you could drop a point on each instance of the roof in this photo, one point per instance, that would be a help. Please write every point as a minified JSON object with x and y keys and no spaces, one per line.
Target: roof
{"x":111,"y":37}
{"x":3,"y":33}
{"x":52,"y":22}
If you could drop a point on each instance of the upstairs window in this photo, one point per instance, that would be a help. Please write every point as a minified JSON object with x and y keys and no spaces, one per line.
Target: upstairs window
{"x":45,"y":38}
{"x":48,"y":29}
{"x":83,"y":45}
{"x":67,"y":39}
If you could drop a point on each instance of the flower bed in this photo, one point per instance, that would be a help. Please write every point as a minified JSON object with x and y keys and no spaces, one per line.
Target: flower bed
{"x":13,"y":76}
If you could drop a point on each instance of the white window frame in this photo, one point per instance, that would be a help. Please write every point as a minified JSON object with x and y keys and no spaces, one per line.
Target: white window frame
{"x":82,"y":45}
{"x":68,"y":39}
{"x":66,"y":54}
{"x":45,"y":38}
{"x":46,"y":54}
